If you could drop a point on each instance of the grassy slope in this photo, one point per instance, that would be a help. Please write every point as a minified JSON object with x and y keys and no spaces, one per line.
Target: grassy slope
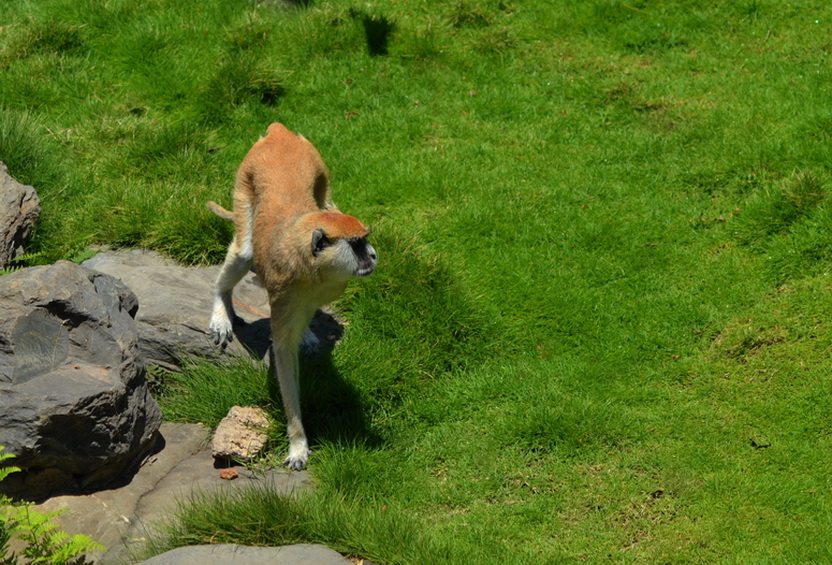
{"x":600,"y":326}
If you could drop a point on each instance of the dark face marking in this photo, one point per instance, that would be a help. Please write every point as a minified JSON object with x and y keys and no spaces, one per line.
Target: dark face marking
{"x":319,"y":242}
{"x":364,"y":253}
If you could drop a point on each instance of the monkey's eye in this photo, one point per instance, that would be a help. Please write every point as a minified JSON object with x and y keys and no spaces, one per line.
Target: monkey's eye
{"x":319,"y":242}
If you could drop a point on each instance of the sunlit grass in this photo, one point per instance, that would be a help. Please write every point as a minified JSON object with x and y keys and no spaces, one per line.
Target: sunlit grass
{"x":599,"y":328}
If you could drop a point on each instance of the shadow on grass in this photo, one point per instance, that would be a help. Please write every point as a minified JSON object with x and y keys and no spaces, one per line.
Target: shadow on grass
{"x":333,"y":411}
{"x":377,"y":31}
{"x":296,"y":3}
{"x":331,"y":407}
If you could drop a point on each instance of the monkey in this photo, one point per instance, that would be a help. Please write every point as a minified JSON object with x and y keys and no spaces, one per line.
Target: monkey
{"x":304,"y":251}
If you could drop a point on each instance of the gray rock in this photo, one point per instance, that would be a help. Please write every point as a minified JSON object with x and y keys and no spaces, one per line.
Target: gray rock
{"x":74,"y":405}
{"x":19,"y":210}
{"x":241,"y":435}
{"x":176,"y":304}
{"x":300,"y":554}
{"x":122,"y":517}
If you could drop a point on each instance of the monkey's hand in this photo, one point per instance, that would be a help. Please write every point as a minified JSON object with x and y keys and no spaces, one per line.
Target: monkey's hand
{"x":221,"y":329}
{"x":221,"y":336}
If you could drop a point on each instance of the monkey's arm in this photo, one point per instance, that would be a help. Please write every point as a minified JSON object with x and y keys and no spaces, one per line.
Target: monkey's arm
{"x":236,"y":265}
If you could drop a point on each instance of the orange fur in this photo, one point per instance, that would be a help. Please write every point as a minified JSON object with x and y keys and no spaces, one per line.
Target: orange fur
{"x":304,"y":251}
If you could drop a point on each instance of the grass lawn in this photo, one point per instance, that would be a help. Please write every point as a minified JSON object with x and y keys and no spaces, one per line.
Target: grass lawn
{"x":600,"y":327}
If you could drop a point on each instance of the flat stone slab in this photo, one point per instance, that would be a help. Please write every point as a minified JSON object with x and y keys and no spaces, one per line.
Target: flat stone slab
{"x":175,"y":305}
{"x":121,"y":518}
{"x":300,"y":554}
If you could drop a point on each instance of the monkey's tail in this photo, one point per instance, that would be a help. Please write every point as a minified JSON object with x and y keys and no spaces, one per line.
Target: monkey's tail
{"x":220,"y":211}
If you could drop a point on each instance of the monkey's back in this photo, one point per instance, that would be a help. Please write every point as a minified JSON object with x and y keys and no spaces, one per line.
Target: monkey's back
{"x":281,"y":179}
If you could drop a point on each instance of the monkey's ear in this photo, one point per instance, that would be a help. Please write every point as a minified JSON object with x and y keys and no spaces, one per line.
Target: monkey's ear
{"x":319,"y":241}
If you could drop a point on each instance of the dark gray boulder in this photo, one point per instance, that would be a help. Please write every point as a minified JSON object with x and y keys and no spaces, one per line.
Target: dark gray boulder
{"x":19,"y":210}
{"x":74,"y":405}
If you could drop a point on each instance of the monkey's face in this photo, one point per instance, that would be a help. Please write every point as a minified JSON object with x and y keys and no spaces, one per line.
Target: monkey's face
{"x":343,"y":257}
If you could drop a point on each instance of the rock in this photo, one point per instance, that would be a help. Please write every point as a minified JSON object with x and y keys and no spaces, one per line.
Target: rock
{"x":74,"y":405}
{"x":121,"y":518}
{"x":19,"y":210}
{"x":300,"y":554}
{"x":241,"y":435}
{"x":229,"y":474}
{"x":176,"y":304}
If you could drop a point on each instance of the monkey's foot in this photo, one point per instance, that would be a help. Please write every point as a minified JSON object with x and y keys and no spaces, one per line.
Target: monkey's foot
{"x":309,"y":344}
{"x":297,"y":461}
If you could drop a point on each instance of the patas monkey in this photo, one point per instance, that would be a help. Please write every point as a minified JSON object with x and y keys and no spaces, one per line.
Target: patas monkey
{"x":303,"y":249}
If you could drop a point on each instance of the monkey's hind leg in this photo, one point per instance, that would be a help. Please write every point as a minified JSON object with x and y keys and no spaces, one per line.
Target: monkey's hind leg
{"x":285,"y":367}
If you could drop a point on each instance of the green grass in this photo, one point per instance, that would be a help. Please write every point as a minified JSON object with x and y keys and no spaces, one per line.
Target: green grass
{"x":600,"y":326}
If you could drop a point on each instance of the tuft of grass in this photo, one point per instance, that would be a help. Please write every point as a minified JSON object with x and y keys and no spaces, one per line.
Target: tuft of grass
{"x":466,"y":14}
{"x":258,"y":517}
{"x":238,"y":80}
{"x":28,"y":153}
{"x":775,"y":211}
{"x":790,"y":224}
{"x":49,"y":37}
{"x":805,"y":251}
{"x":203,"y":392}
{"x":568,"y":425}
